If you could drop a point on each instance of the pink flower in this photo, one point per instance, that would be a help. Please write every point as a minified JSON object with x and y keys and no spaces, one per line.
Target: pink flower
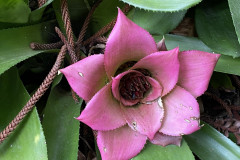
{"x":135,"y":92}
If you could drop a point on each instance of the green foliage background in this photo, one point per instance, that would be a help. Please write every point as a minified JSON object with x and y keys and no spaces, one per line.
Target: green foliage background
{"x":56,"y":135}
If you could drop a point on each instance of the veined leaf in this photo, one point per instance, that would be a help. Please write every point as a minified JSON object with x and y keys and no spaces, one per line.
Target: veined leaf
{"x":27,"y":142}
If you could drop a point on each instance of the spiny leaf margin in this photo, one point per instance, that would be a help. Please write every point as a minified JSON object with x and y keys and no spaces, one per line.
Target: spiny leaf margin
{"x":163,"y":5}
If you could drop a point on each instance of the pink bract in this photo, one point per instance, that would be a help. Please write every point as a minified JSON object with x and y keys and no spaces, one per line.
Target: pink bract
{"x":139,"y":91}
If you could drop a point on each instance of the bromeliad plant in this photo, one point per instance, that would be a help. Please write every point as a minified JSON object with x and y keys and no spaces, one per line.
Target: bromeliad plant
{"x":139,"y":91}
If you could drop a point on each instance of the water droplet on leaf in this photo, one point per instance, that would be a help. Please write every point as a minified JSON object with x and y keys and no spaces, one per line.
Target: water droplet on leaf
{"x":80,"y":74}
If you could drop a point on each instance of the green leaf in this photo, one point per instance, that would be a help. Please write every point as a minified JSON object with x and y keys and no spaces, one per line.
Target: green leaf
{"x":27,"y":141}
{"x":60,"y":127}
{"x":104,"y":13}
{"x":163,"y":5}
{"x":215,"y":28}
{"x":221,"y":80}
{"x":14,"y":11}
{"x":36,"y":15}
{"x":226,"y":64}
{"x":78,"y":10}
{"x":169,"y":152}
{"x":151,"y":21}
{"x":156,"y":22}
{"x":185,"y":43}
{"x":208,"y":143}
{"x":234,"y":6}
{"x":14,"y":43}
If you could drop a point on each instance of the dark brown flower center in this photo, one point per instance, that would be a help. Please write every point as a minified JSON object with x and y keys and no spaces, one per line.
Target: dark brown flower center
{"x":125,"y":66}
{"x":133,"y":86}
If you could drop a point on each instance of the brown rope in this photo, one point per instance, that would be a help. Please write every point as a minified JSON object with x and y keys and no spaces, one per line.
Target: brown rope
{"x":38,"y":46}
{"x":69,"y":32}
{"x":86,"y":22}
{"x":41,"y":2}
{"x":235,"y":108}
{"x":236,"y":80}
{"x":106,"y":28}
{"x":221,"y":102}
{"x":85,"y":26}
{"x":69,"y":43}
{"x":37,"y":95}
{"x":102,"y":31}
{"x":62,"y":37}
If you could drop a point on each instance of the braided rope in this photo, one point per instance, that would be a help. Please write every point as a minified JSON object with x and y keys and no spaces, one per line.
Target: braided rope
{"x":102,"y":31}
{"x":85,"y":26}
{"x":62,"y":37}
{"x":69,"y":32}
{"x":236,"y":80}
{"x":86,"y":22}
{"x":37,"y":95}
{"x":106,"y":28}
{"x":68,"y":44}
{"x":38,"y":46}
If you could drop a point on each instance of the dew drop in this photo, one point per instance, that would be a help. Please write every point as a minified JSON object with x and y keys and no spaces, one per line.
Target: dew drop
{"x":80,"y":74}
{"x":190,"y":108}
{"x":194,"y":118}
{"x":187,"y":120}
{"x":104,"y":149}
{"x":59,"y":72}
{"x":181,"y":134}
